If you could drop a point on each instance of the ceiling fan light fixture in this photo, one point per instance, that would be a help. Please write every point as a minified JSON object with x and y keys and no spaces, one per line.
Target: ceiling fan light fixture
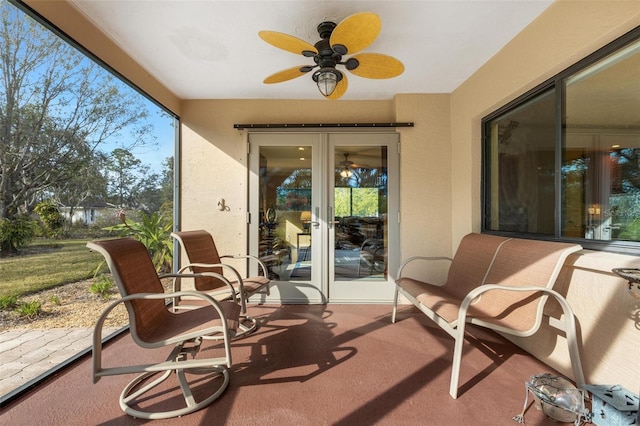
{"x":327,"y":79}
{"x":346,"y":173}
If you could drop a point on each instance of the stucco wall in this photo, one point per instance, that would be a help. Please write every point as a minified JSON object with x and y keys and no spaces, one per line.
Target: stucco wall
{"x":565,"y":33}
{"x":425,"y":174}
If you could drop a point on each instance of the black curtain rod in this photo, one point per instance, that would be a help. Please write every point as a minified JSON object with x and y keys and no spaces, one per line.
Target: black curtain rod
{"x":313,"y":125}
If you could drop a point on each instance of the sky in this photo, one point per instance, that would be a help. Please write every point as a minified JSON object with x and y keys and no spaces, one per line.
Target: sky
{"x":162,"y":133}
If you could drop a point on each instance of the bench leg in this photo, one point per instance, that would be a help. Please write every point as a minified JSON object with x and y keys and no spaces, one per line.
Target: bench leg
{"x":395,"y":306}
{"x":571,"y":334}
{"x":457,"y":360}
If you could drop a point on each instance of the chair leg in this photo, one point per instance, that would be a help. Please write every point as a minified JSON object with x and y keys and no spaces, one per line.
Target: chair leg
{"x":139,"y":388}
{"x":247,"y":326}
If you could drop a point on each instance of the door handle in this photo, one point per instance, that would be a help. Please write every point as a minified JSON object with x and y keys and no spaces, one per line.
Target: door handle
{"x":315,"y":223}
{"x":331,"y":218}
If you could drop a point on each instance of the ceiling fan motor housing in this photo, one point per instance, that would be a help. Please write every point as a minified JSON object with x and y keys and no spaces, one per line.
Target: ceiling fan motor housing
{"x":327,"y":58}
{"x":326,"y":28}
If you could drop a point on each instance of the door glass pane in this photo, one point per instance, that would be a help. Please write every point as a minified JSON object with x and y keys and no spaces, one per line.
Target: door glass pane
{"x":285,"y":211}
{"x":360,"y":200}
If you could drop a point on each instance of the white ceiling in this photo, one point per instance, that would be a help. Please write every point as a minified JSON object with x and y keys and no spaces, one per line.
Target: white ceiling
{"x":210,"y":49}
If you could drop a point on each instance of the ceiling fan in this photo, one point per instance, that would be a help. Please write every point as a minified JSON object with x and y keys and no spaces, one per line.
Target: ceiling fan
{"x":346,"y":165}
{"x":346,"y":162}
{"x":350,"y":36}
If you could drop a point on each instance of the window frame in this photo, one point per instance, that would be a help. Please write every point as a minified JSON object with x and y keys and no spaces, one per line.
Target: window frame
{"x":556,"y":84}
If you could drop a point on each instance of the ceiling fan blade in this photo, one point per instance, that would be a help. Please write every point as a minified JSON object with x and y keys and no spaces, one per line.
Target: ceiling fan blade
{"x":340,"y":89}
{"x":287,"y":42}
{"x":376,"y":65}
{"x":355,"y":33}
{"x":288,"y":74}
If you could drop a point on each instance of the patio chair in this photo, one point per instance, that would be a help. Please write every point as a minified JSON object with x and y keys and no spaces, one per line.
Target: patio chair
{"x":153,"y":325}
{"x":373,"y":254}
{"x":202,"y":256}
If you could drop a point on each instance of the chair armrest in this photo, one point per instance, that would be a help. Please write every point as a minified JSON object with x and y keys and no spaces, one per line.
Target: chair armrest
{"x":420,"y":258}
{"x":177,"y":276}
{"x":261,"y":265}
{"x":230,"y":268}
{"x":192,"y":293}
{"x":198,"y":294}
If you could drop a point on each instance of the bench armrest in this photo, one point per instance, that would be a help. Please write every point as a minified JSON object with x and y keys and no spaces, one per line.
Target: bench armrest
{"x":569,"y":327}
{"x":420,"y":258}
{"x":478,"y":291}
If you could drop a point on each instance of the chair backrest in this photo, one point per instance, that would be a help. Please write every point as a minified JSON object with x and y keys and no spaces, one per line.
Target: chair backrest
{"x":471,"y":263}
{"x":200,"y":248}
{"x":133,"y":272}
{"x":519,"y":263}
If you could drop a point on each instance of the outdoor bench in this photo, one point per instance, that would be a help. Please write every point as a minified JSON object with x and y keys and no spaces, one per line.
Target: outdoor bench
{"x":495,"y":282}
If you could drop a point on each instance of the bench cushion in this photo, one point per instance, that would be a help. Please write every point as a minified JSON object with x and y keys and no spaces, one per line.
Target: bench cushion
{"x":437,"y":298}
{"x":471,"y":263}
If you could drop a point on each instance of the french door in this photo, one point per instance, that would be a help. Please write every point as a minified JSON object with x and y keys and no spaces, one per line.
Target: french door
{"x":324,"y":214}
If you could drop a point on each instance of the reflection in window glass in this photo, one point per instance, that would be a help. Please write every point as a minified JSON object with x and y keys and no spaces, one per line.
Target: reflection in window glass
{"x":360,"y":200}
{"x":521,"y":151}
{"x":584,"y":122}
{"x":285,"y":211}
{"x":356,"y":202}
{"x":602,"y":146}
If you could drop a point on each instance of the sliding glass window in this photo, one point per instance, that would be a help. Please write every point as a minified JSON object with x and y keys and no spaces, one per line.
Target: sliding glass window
{"x":563,"y":161}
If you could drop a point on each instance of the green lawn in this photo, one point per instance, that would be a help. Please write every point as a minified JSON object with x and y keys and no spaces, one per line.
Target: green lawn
{"x":46,"y":264}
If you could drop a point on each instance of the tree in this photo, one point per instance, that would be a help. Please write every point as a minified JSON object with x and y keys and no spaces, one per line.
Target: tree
{"x":166,"y":186}
{"x":156,"y":190}
{"x":124,"y":173}
{"x":55,"y":107}
{"x":131,"y":184}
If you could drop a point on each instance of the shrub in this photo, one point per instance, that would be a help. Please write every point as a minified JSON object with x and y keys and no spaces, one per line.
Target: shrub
{"x":51,"y":218}
{"x":8,"y":302}
{"x":101,"y":286}
{"x":15,"y":233}
{"x":154,"y":232}
{"x":29,"y":309}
